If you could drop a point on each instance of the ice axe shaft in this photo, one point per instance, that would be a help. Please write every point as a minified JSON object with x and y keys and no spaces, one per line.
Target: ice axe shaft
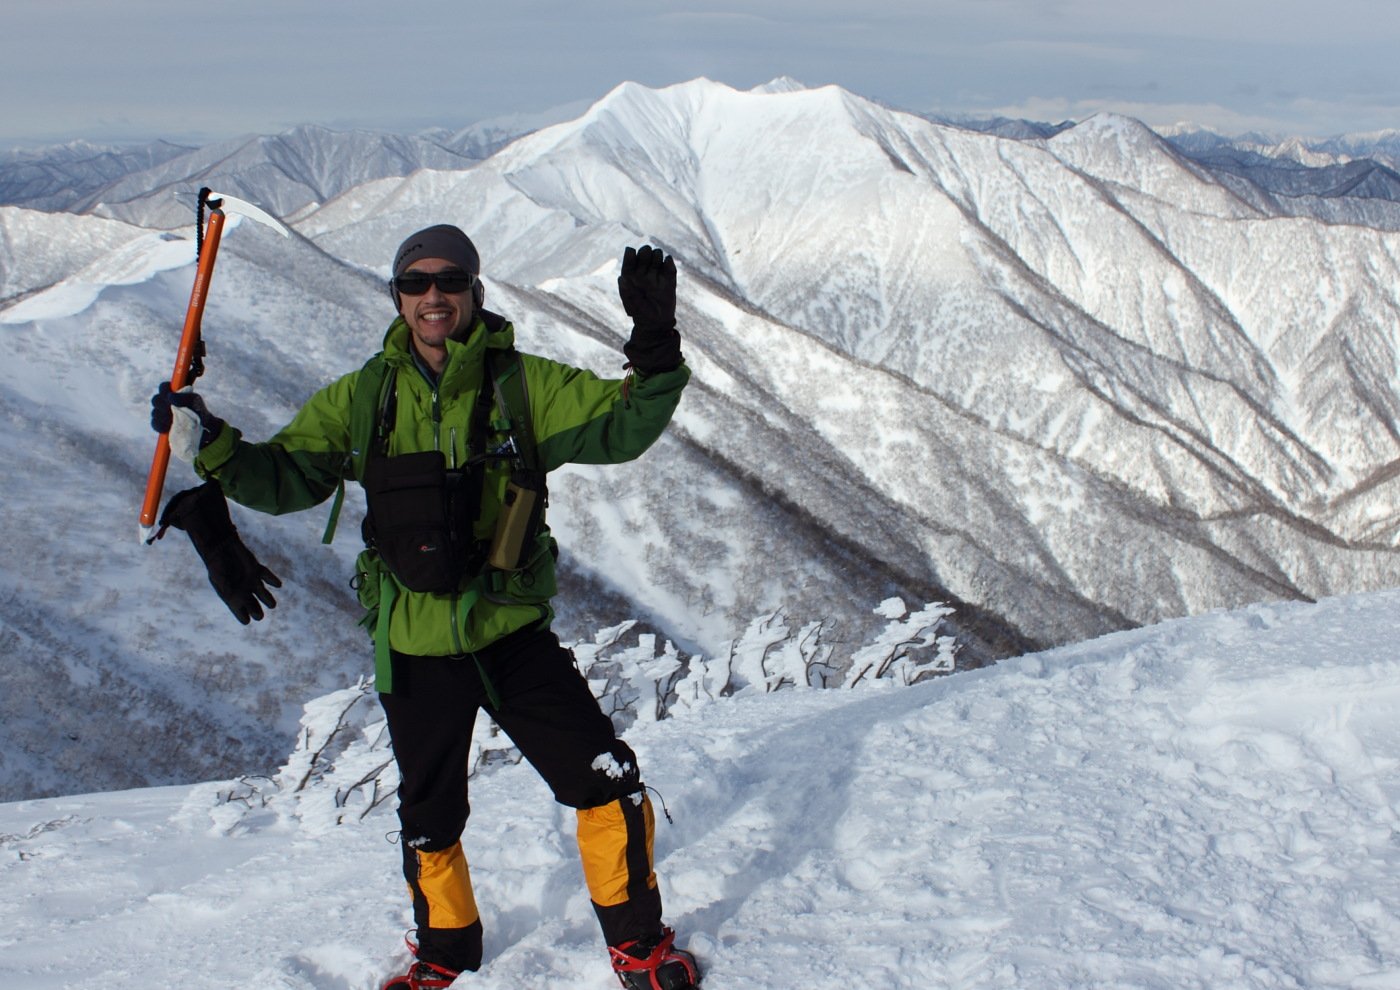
{"x":184,"y":358}
{"x":189,"y":336}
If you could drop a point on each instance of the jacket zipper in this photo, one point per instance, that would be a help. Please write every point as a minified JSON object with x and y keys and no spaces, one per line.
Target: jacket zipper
{"x":437,"y":445}
{"x":456,"y":604}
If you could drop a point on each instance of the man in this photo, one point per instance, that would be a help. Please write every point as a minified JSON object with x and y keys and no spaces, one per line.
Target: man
{"x":458,"y":572}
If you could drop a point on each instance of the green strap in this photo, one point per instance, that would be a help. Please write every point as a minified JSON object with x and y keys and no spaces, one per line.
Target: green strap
{"x":470,"y":596}
{"x":513,"y":404}
{"x":383,"y":667}
{"x":465,"y":602}
{"x":491,"y":694}
{"x":329,"y":534}
{"x":372,"y":407}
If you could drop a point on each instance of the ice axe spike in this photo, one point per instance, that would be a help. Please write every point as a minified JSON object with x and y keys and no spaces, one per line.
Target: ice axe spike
{"x":219,"y":205}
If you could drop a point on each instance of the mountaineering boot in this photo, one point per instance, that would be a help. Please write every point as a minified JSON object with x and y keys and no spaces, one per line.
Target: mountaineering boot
{"x":654,"y":963}
{"x":422,"y":976}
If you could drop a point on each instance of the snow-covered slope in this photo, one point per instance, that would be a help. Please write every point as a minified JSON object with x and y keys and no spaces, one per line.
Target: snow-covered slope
{"x":122,"y":668}
{"x":1092,"y":323}
{"x":1350,"y":179}
{"x":286,"y":172}
{"x":1067,"y":385}
{"x":1205,"y":804}
{"x":61,"y":176}
{"x":283,"y":173}
{"x":40,"y":249}
{"x":1382,"y":147}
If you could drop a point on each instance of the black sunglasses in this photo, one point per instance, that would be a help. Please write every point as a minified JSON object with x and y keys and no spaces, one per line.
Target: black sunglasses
{"x":418,"y":283}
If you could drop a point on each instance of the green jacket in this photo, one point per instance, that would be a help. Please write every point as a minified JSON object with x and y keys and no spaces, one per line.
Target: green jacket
{"x":577,"y":418}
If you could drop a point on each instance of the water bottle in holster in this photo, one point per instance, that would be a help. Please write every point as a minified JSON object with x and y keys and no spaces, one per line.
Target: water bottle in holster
{"x":518,"y":523}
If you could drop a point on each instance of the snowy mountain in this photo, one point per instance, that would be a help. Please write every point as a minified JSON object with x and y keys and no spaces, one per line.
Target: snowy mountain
{"x":1382,"y":147}
{"x":153,"y":185}
{"x":484,"y":138}
{"x":59,"y":178}
{"x":1204,"y":804}
{"x":1007,"y":127}
{"x":1066,"y":385}
{"x":1349,"y":179}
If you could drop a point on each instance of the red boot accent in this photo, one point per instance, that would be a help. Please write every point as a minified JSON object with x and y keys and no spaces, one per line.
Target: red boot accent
{"x":421,"y":975}
{"x":662,"y":968}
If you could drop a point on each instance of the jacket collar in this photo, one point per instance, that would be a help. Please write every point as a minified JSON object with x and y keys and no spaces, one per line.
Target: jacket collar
{"x":465,"y":358}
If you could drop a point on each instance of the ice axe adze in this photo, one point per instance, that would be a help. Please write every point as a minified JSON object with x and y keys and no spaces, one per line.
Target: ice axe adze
{"x":219,"y":205}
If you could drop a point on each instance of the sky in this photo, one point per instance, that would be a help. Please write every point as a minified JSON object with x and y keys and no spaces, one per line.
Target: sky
{"x":88,"y":69}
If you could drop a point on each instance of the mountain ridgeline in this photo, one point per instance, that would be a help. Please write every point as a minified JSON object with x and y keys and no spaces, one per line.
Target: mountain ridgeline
{"x":1066,"y":379}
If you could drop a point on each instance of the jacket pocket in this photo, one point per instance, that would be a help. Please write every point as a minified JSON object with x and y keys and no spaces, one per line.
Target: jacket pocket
{"x":369,"y":570}
{"x":535,"y":583}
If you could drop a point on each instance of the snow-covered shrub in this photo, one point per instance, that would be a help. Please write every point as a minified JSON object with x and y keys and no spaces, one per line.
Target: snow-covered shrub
{"x":342,"y":768}
{"x":909,"y":649}
{"x":631,"y":683}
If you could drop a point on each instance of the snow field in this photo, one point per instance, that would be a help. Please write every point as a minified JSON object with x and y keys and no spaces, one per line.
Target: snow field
{"x":1210,"y":803}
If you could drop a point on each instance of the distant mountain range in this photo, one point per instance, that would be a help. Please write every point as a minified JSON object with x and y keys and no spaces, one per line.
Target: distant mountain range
{"x":1066,"y":378}
{"x":286,"y":172}
{"x":311,"y":164}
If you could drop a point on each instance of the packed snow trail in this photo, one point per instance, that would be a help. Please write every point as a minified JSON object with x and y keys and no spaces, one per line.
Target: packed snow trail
{"x":1209,"y":803}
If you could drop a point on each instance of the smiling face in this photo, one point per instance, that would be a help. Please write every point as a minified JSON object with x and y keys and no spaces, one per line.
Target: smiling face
{"x":435,"y":316}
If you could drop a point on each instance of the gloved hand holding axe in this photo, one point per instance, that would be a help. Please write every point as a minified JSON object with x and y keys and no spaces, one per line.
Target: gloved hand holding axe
{"x":184,"y":425}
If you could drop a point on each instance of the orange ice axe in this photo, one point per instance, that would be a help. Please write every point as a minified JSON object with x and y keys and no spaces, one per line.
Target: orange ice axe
{"x":219,"y":205}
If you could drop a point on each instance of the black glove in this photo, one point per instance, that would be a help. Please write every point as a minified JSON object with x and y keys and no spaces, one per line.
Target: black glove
{"x":235,"y":573}
{"x":647,"y":286}
{"x":185,"y":439}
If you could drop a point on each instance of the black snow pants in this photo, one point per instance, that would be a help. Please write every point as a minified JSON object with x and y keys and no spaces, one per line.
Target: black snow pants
{"x":549,"y":713}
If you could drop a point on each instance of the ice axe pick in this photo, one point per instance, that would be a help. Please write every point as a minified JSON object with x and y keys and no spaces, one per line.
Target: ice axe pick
{"x":219,"y":206}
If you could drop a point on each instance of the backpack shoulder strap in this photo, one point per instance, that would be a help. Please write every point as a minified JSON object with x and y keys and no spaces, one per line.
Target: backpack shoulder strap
{"x":513,"y":403}
{"x":373,"y":406}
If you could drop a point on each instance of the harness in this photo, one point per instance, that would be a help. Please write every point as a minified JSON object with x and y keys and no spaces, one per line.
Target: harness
{"x":374,"y":408}
{"x":373,"y":412}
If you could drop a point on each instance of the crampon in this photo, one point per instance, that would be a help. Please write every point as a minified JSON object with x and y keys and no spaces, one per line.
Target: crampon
{"x":421,"y":975}
{"x":654,"y":964}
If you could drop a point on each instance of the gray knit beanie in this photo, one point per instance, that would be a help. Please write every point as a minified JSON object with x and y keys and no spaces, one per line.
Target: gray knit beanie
{"x":442,"y":241}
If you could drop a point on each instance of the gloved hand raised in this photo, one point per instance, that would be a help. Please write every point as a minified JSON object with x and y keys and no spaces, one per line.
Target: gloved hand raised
{"x":183,"y":415}
{"x":647,"y":286}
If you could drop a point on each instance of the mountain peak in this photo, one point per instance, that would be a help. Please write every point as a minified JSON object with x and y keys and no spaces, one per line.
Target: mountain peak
{"x":782,"y":84}
{"x":1107,"y":125}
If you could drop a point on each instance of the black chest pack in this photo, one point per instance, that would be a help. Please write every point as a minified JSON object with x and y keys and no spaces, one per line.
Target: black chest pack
{"x":422,"y":511}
